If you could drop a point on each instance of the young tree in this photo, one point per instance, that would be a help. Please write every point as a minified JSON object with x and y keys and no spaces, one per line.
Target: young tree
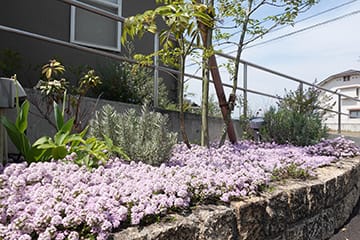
{"x":181,"y":19}
{"x":250,"y":16}
{"x":189,"y":21}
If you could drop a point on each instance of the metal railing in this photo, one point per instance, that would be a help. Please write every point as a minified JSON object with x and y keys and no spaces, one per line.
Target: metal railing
{"x":157,"y":67}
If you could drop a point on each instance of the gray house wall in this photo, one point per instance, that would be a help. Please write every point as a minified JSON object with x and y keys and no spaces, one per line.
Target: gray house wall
{"x":51,"y":18}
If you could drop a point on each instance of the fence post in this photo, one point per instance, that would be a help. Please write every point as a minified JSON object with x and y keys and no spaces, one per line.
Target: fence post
{"x":156,"y":70}
{"x":301,"y":88}
{"x":339,"y":114}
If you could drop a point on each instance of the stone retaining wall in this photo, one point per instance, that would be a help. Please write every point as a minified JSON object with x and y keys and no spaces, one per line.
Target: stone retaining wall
{"x":295,"y":210}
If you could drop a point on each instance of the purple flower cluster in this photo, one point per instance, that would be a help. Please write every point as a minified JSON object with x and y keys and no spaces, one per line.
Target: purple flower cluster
{"x":58,"y":200}
{"x":338,"y":147}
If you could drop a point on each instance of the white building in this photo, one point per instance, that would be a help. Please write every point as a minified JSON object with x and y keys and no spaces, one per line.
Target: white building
{"x":347,"y":83}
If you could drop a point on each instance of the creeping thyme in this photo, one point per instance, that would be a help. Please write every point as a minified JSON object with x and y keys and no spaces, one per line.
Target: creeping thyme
{"x":60,"y":200}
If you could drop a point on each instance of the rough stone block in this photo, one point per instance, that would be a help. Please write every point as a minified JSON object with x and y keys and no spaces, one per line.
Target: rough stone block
{"x":209,"y":222}
{"x":339,"y":214}
{"x":330,"y":192}
{"x":250,"y":216}
{"x":350,"y":202}
{"x":313,"y":228}
{"x":296,"y":232}
{"x":316,"y":198}
{"x":309,"y":210}
{"x":278,"y":207}
{"x":216,"y":223}
{"x":298,"y":204}
{"x":347,"y":183}
{"x":177,"y":230}
{"x":279,"y":237}
{"x":277,"y":214}
{"x":354,"y":177}
{"x":344,"y":208}
{"x":251,"y":232}
{"x":328,"y":223}
{"x":250,"y":210}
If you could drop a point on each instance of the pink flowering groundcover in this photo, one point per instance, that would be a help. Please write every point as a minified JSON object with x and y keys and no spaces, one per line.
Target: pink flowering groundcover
{"x":61,"y":200}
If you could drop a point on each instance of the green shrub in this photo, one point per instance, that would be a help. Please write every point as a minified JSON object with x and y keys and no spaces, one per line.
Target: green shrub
{"x":122,"y":82}
{"x":143,"y":137}
{"x":297,"y":120}
{"x":285,"y":126}
{"x":10,"y":62}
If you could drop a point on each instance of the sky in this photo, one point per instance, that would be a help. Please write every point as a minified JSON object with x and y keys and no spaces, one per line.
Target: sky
{"x":310,"y":55}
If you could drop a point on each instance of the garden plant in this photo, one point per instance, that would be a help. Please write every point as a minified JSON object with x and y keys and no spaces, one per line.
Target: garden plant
{"x":143,"y":137}
{"x":62,"y":200}
{"x":53,"y":86}
{"x":297,"y":119}
{"x":128,"y":170}
{"x":86,"y":187}
{"x":189,"y":28}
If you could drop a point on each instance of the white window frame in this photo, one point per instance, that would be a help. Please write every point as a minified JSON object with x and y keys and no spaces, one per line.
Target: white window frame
{"x":357,"y":115}
{"x":117,"y":6}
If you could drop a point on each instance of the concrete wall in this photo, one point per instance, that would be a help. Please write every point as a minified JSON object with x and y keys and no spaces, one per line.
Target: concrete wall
{"x":295,"y":210}
{"x":38,"y":126}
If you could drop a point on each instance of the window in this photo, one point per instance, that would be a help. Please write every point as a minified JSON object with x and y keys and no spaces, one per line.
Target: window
{"x":346,"y":78}
{"x":93,"y":30}
{"x":354,"y":113}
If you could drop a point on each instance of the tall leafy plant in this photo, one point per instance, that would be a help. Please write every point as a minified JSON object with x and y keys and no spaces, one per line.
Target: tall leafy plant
{"x":181,"y":19}
{"x":63,"y":141}
{"x":90,"y":152}
{"x":297,"y":120}
{"x":16,"y":133}
{"x":250,"y":24}
{"x":53,"y":85}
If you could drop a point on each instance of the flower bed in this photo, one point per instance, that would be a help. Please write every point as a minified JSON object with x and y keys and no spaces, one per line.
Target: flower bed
{"x":58,"y":200}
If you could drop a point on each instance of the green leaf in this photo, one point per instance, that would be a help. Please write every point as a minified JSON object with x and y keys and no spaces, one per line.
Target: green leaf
{"x":49,"y":145}
{"x":19,"y":139}
{"x":42,"y":140}
{"x":83,"y":132}
{"x":59,"y":152}
{"x":68,"y":125}
{"x":22,"y":119}
{"x":40,"y":154}
{"x":59,"y":118}
{"x":74,"y":138}
{"x":60,"y":137}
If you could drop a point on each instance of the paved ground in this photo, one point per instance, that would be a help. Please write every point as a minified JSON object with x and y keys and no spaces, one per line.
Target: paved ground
{"x":350,"y":232}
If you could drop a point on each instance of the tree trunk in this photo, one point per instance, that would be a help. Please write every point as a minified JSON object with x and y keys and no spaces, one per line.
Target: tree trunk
{"x":224,"y":106}
{"x":205,"y":88}
{"x":181,"y":103}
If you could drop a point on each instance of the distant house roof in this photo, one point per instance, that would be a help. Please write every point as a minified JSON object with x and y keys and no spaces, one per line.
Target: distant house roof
{"x":350,"y":72}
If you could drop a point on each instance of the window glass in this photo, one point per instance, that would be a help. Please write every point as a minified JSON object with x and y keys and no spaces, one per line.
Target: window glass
{"x":354,"y":113}
{"x":94,"y":30}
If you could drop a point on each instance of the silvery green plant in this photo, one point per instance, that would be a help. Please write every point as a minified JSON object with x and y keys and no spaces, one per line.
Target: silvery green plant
{"x":143,"y":137}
